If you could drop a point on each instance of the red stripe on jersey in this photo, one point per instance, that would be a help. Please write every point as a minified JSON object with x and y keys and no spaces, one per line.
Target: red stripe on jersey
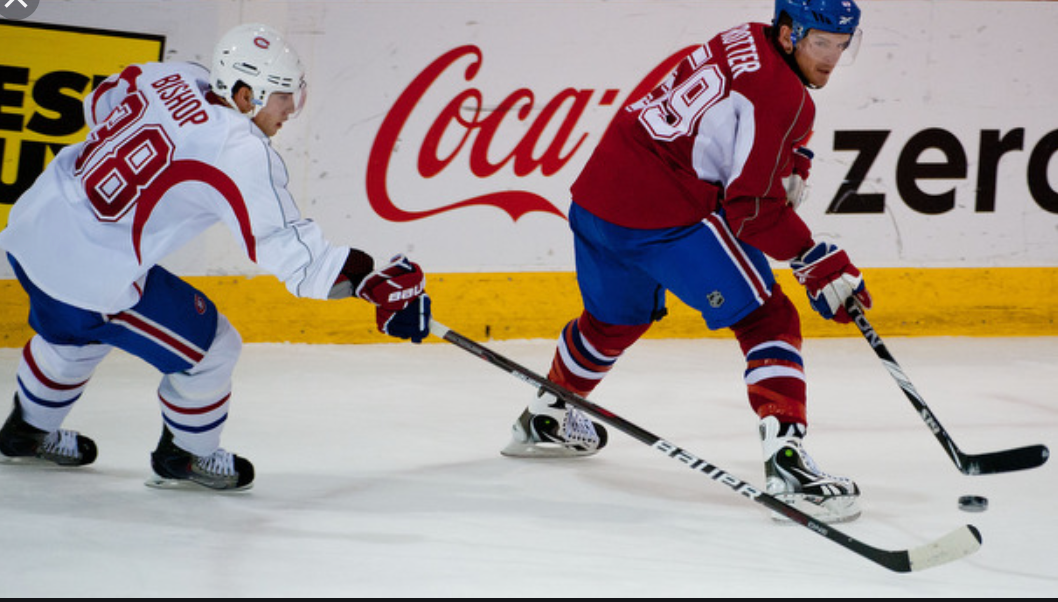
{"x":783,"y":398}
{"x":734,"y":250}
{"x":190,"y":411}
{"x":753,"y":364}
{"x":27,"y":355}
{"x":182,"y":171}
{"x":160,"y":336}
{"x":584,"y":361}
{"x":561,"y":375}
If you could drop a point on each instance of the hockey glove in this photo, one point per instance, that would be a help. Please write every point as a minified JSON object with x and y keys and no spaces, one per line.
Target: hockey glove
{"x":393,"y":286}
{"x":393,"y":289}
{"x":412,"y":322}
{"x":829,"y":279}
{"x":795,"y":185}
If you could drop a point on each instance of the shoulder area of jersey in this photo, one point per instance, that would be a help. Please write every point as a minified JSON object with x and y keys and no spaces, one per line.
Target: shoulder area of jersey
{"x":172,"y":80}
{"x":753,"y":60}
{"x":181,"y":90}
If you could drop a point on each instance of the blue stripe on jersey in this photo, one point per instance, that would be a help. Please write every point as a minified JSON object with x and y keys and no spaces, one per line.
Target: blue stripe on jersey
{"x":27,"y":396}
{"x":584,"y":350}
{"x":774,"y":352}
{"x":195,"y":429}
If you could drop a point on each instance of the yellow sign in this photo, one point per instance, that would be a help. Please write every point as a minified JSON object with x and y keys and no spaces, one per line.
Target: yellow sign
{"x":46,"y":71}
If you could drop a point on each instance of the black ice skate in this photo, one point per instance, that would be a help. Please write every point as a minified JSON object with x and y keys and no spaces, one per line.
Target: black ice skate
{"x":20,"y":441}
{"x":549,"y":429}
{"x":793,"y":477}
{"x":175,"y":468}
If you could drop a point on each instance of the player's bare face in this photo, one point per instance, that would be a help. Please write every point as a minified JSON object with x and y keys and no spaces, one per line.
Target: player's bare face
{"x":818,"y":54}
{"x":271,"y":117}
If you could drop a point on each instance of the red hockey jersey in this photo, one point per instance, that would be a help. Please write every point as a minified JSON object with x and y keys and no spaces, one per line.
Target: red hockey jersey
{"x":718,"y":132}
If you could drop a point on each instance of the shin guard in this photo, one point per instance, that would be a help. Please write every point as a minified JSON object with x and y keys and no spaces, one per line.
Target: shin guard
{"x":770,"y":338}
{"x":588,"y":349}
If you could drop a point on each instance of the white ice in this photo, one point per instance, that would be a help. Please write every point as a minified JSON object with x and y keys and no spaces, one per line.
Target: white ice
{"x":378,"y":475}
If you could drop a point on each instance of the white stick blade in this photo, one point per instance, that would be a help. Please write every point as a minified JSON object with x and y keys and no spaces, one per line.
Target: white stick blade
{"x":959,"y":543}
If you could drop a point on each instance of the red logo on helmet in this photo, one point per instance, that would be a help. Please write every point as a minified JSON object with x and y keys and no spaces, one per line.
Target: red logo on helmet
{"x":261,"y":42}
{"x":200,"y":305}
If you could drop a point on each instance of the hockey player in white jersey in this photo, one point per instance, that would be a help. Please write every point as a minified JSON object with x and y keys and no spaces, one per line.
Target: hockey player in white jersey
{"x":172,"y":149}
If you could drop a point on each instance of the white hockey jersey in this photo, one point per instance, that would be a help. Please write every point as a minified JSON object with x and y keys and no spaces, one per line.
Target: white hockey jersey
{"x":161,"y":164}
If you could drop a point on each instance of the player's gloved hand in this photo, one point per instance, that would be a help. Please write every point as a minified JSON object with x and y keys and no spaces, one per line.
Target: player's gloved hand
{"x":795,"y":185}
{"x":412,"y":322}
{"x":394,"y":288}
{"x":829,"y":279}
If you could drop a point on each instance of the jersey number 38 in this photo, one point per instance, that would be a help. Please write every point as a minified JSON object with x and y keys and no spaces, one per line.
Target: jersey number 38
{"x":119,"y":160}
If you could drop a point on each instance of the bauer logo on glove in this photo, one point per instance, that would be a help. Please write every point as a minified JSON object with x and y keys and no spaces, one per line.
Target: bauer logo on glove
{"x":393,"y":286}
{"x":396,"y":297}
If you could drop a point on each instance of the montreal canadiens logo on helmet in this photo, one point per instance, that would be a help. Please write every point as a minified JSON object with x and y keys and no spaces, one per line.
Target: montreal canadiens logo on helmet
{"x":261,"y":42}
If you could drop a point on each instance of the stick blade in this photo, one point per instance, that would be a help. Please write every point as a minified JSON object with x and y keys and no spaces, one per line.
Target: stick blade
{"x":1010,"y":460}
{"x":958,"y":544}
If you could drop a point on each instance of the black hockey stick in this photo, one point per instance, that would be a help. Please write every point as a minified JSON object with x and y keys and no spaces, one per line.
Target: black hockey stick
{"x":1006,"y":460}
{"x":959,"y":543}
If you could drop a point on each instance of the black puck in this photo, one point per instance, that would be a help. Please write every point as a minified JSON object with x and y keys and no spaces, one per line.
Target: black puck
{"x":973,"y":503}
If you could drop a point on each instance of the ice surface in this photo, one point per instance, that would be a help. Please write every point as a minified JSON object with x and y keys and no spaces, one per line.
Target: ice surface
{"x":379,"y":475}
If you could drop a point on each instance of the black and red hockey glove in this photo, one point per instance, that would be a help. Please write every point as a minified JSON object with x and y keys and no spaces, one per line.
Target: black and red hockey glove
{"x":398,"y":291}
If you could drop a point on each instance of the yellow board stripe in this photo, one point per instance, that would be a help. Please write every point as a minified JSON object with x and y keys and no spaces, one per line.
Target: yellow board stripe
{"x":533,"y":305}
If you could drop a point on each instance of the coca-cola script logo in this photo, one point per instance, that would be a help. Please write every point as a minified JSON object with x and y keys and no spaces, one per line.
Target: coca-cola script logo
{"x":478,"y":132}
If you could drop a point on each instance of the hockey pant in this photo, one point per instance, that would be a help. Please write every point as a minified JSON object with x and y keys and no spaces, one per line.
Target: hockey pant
{"x":623,"y":275}
{"x":174,"y":327}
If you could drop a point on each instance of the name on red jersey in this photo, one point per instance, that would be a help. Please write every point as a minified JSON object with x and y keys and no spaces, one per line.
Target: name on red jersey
{"x":742,"y":54}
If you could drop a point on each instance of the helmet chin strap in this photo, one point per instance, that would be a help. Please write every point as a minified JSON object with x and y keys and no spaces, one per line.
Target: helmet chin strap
{"x":236,"y":104}
{"x":255,"y":106}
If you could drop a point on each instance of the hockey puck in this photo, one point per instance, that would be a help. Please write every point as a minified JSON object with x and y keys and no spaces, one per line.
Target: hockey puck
{"x":973,"y":503}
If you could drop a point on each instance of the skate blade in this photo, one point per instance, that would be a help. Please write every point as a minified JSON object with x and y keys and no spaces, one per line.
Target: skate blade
{"x":35,"y":462}
{"x":159,"y":482}
{"x":521,"y":449}
{"x":26,"y":460}
{"x":830,"y":510}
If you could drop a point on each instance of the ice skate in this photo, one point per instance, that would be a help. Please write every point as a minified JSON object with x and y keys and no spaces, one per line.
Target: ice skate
{"x":19,"y":441}
{"x":176,"y":468}
{"x":549,"y":429}
{"x":793,"y":477}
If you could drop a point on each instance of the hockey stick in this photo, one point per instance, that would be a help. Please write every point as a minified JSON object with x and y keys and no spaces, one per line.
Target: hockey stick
{"x":959,"y":543}
{"x":1007,"y":460}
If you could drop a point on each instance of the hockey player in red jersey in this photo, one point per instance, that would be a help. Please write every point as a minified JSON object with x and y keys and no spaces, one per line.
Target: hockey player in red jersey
{"x":690,"y":191}
{"x":173,"y":148}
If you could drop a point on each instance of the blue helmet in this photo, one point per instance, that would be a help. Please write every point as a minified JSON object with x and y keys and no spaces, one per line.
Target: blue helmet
{"x":835,"y":16}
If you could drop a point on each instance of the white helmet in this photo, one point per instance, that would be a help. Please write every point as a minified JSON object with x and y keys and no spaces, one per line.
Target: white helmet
{"x":258,"y":56}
